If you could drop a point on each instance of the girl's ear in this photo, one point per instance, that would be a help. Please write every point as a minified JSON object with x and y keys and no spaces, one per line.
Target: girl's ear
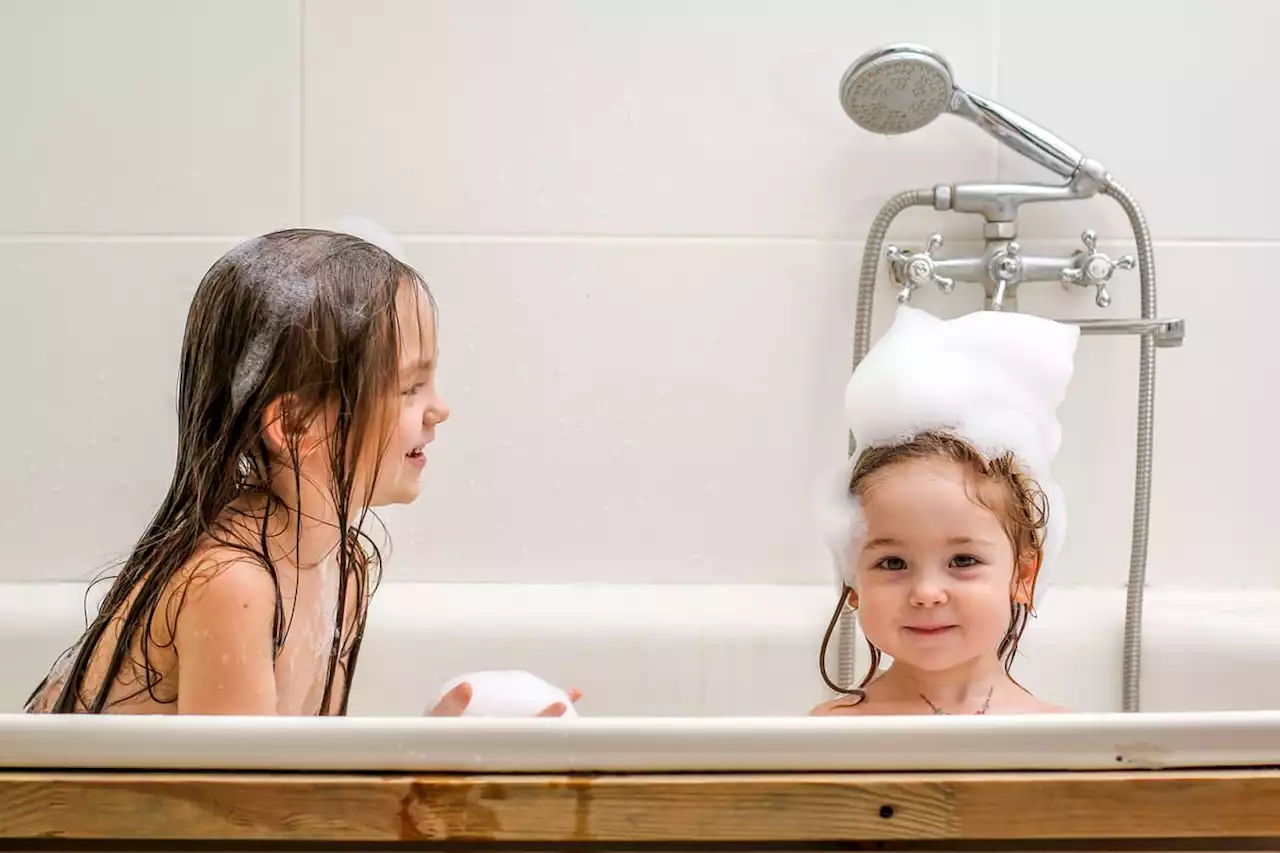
{"x":286,"y":429}
{"x":1024,"y":579}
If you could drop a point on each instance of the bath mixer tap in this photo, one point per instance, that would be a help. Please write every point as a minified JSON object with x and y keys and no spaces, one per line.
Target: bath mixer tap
{"x":903,"y":87}
{"x":1001,"y":268}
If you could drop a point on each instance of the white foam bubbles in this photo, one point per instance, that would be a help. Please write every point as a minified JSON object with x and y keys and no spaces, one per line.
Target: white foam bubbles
{"x":993,"y":378}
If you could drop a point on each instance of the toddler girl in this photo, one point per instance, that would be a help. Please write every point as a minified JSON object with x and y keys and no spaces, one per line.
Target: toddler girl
{"x":948,"y":517}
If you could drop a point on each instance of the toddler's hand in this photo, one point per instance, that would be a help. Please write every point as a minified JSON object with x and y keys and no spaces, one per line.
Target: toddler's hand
{"x":557,"y":709}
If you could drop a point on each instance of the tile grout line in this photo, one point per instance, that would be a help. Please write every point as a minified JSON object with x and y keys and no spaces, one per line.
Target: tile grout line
{"x":621,"y":239}
{"x":302,"y":113}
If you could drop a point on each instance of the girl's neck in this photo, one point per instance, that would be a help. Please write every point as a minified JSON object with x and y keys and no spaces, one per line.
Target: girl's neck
{"x":964,"y":689}
{"x":308,"y":543}
{"x":303,"y":538}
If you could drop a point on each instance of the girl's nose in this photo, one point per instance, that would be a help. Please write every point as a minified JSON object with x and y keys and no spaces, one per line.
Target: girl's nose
{"x":928,"y":591}
{"x":436,"y":413}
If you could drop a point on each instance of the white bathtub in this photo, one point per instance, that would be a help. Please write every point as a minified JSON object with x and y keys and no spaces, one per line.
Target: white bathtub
{"x":703,"y":650}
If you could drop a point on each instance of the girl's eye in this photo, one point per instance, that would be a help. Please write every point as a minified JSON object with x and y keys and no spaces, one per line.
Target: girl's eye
{"x":411,"y":391}
{"x":964,"y":561}
{"x":892,"y":564}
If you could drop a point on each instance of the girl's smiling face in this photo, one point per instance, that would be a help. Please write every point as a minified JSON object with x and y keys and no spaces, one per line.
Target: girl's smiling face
{"x":937,"y":574}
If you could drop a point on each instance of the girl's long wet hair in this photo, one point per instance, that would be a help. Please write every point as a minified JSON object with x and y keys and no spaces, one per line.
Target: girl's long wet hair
{"x":304,"y":319}
{"x":1022,"y":508}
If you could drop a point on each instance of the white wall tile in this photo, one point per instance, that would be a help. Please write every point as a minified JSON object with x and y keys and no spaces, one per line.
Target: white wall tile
{"x":1170,"y":103}
{"x":615,"y":117}
{"x":631,"y":410}
{"x":91,"y":355}
{"x":1218,"y":462}
{"x":148,"y":116}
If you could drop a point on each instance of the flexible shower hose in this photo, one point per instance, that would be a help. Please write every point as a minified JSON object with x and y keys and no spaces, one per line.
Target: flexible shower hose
{"x":847,"y":644}
{"x":847,"y":648}
{"x":1132,"y":661}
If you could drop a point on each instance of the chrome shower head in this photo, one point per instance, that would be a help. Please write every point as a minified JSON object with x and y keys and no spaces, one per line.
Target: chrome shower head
{"x":902,"y":87}
{"x":896,"y":89}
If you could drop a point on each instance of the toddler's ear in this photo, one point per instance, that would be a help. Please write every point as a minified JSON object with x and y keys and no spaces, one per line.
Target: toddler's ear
{"x":1024,"y":580}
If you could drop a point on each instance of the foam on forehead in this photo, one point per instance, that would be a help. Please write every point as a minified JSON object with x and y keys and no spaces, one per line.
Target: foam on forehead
{"x":993,"y":378}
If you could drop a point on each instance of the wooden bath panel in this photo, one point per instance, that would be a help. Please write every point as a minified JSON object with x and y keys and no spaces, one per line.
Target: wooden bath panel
{"x":1120,"y":810}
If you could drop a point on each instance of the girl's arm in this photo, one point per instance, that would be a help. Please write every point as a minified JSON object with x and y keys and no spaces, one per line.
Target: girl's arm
{"x":224,"y":640}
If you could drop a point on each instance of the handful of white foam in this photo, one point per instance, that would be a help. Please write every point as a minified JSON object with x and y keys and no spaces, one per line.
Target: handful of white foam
{"x":509,"y":693}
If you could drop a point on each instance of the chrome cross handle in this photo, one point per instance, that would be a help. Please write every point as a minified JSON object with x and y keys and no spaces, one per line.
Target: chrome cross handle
{"x":1091,"y":268}
{"x":909,"y":270}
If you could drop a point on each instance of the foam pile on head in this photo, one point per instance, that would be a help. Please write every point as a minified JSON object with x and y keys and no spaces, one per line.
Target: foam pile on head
{"x":992,"y":378}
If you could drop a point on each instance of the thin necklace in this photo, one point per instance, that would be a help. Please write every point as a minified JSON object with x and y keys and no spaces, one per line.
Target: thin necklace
{"x":985,"y":705}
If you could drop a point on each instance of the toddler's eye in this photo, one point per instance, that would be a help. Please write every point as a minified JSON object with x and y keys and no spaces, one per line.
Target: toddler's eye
{"x":892,"y":564}
{"x":409,"y":392}
{"x":964,"y":561}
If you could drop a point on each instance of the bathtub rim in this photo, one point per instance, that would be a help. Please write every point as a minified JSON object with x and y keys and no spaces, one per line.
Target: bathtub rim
{"x":1052,"y":742}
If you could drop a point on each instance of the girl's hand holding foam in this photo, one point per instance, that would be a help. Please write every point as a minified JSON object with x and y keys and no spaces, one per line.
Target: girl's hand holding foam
{"x":504,"y":694}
